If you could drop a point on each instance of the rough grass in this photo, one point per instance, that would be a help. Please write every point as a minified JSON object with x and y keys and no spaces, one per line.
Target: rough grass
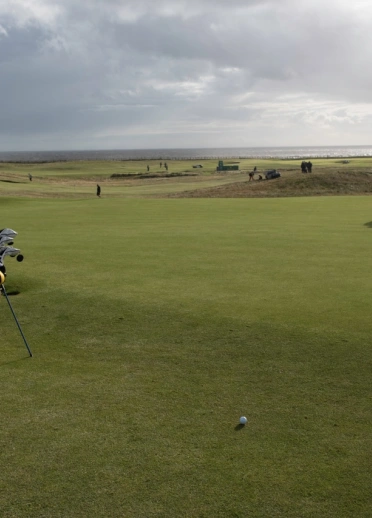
{"x":328,"y":183}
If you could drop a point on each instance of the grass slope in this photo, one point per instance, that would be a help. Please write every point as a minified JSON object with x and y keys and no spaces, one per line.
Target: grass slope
{"x":154,"y":325}
{"x":330,"y":183}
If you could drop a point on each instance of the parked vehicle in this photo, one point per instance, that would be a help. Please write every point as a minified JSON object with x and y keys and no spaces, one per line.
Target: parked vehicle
{"x":271,"y":174}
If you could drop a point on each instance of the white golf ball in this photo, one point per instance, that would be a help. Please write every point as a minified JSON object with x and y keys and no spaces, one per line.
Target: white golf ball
{"x":243,"y":420}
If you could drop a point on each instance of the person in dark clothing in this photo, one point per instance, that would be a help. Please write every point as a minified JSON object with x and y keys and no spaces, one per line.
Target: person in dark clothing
{"x":98,"y":191}
{"x":304,"y":167}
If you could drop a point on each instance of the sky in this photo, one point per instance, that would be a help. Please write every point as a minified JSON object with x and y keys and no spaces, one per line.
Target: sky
{"x":150,"y":74}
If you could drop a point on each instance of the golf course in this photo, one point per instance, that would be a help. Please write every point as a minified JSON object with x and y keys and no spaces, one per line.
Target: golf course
{"x":162,"y":312}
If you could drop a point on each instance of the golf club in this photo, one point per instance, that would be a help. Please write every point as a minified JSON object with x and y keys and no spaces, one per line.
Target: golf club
{"x":6,"y":237}
{"x":3,"y":290}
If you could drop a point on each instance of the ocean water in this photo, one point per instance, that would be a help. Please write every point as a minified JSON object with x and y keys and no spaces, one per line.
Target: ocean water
{"x":192,"y":154}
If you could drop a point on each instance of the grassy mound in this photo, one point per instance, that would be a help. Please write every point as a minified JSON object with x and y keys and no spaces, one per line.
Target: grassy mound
{"x":291,"y":184}
{"x":149,"y":176}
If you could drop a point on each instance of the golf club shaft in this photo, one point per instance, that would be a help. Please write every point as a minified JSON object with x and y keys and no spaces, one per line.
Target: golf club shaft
{"x":15,"y":318}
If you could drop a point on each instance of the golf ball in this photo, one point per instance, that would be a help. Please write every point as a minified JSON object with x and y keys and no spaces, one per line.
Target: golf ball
{"x":243,"y":420}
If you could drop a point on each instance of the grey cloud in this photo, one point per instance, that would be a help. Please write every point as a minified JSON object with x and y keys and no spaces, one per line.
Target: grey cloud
{"x":134,"y":67}
{"x":18,"y":43}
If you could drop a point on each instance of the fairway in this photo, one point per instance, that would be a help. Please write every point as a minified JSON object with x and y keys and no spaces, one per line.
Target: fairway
{"x":155,"y":324}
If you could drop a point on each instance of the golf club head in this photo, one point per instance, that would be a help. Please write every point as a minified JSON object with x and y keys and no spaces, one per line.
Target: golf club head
{"x":8,"y":232}
{"x":7,"y":236}
{"x":5,"y":240}
{"x":8,"y":250}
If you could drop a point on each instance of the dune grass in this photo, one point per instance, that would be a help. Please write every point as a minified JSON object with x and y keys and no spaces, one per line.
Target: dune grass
{"x":155,"y":324}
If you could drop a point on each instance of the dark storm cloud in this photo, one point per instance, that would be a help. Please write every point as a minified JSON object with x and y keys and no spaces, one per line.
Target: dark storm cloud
{"x":139,"y":72}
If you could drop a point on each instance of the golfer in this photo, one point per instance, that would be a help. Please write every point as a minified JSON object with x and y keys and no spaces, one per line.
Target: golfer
{"x":98,"y":191}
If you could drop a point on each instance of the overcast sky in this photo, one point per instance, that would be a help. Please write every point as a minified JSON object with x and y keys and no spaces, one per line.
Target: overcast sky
{"x":127,"y":74}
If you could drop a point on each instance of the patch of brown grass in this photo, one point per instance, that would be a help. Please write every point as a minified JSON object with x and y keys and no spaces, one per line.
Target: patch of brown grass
{"x":291,"y":184}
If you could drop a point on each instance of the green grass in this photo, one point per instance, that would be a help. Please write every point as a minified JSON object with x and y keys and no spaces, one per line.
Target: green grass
{"x":104,"y":168}
{"x":78,"y":179}
{"x":156,"y":324}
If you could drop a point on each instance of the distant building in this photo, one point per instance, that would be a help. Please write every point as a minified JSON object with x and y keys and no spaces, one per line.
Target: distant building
{"x":222,"y":167}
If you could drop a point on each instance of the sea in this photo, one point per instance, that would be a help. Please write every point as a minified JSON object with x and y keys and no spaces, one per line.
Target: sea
{"x":294,"y":153}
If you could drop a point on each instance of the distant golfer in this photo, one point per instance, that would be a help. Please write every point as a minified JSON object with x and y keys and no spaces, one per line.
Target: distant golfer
{"x":98,"y":191}
{"x":30,"y":177}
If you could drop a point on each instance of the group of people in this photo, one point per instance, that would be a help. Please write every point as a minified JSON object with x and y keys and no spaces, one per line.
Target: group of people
{"x":252,"y":173}
{"x":306,"y":167}
{"x":161,"y":165}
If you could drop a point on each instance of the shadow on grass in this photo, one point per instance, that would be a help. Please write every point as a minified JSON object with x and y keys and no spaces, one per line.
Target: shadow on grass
{"x":11,"y":181}
{"x":369,"y":224}
{"x":2,"y":364}
{"x":239,"y":427}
